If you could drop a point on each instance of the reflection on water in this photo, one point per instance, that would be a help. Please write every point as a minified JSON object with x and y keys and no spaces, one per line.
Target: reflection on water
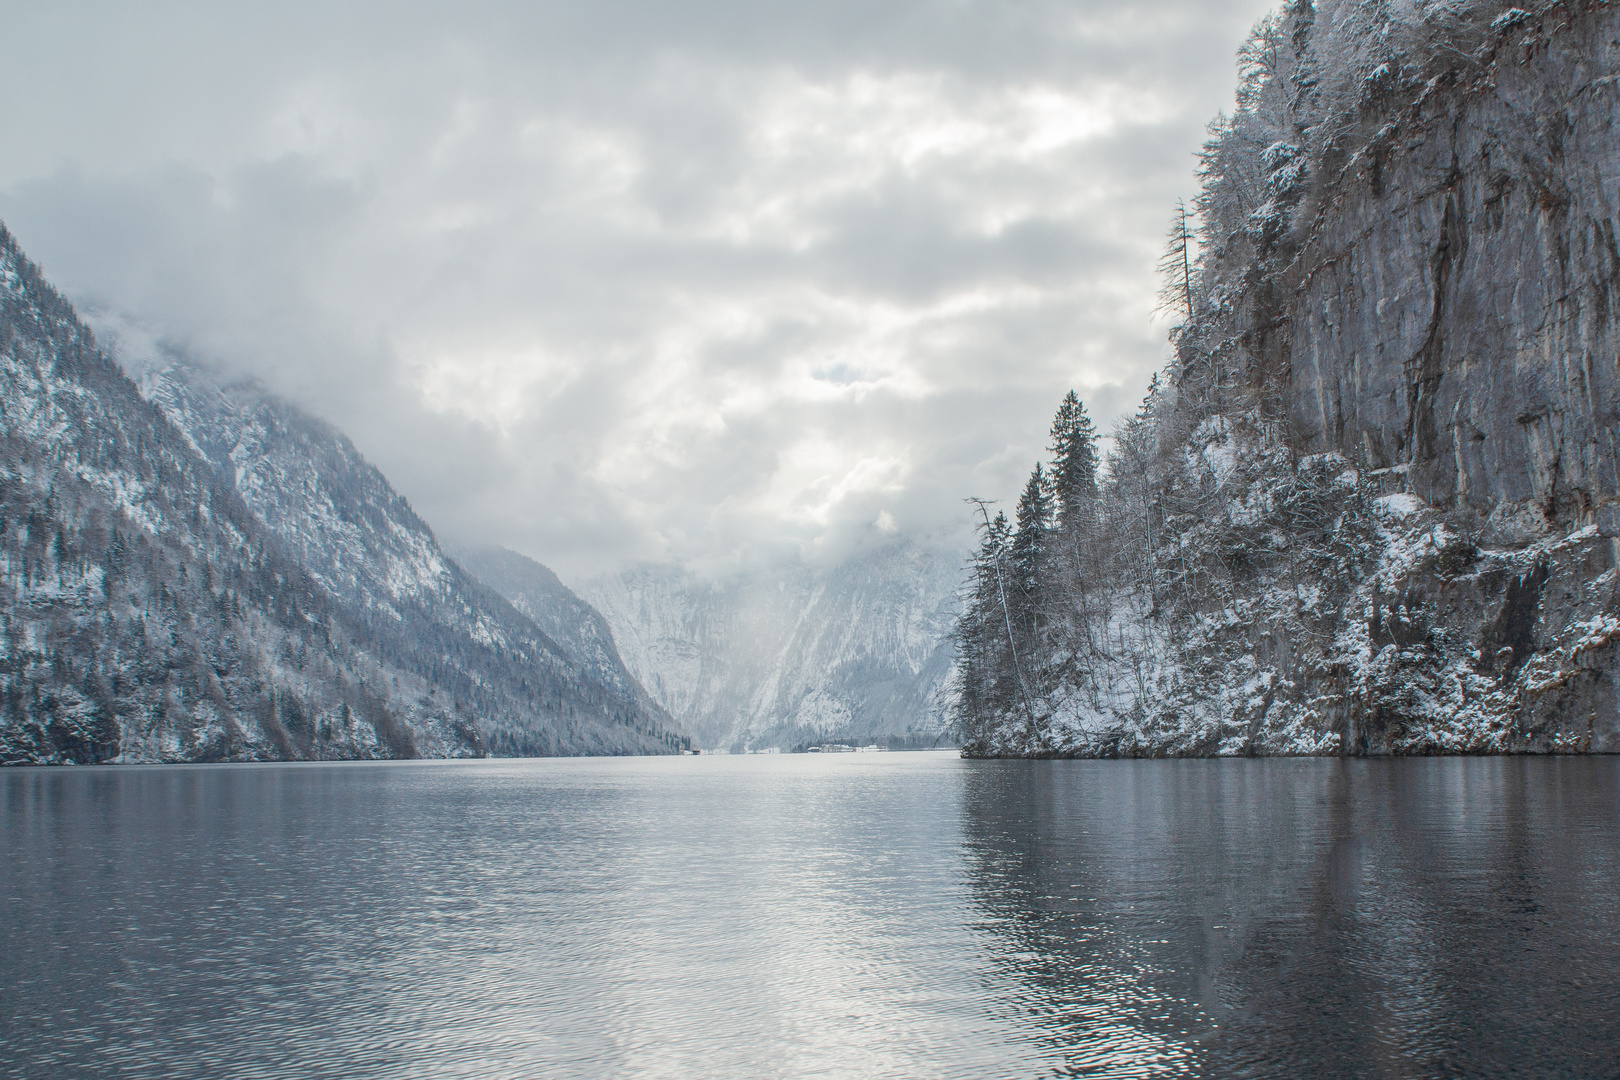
{"x":906,"y":915}
{"x":1307,"y":918}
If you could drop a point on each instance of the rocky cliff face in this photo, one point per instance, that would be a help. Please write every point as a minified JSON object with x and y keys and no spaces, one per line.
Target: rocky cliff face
{"x":1382,"y":485}
{"x":1450,"y":328}
{"x":1452,"y":312}
{"x":794,"y":655}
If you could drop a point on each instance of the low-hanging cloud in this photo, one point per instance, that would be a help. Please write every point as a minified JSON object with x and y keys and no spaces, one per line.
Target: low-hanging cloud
{"x":634,"y":280}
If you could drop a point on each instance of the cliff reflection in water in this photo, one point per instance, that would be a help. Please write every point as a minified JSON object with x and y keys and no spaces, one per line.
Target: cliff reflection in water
{"x":1305,"y":918}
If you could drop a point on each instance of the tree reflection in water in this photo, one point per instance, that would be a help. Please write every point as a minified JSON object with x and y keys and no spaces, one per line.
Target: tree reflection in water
{"x":1304,"y":918}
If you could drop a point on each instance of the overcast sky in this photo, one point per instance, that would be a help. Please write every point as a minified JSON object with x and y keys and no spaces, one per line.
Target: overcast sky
{"x":615,"y":280}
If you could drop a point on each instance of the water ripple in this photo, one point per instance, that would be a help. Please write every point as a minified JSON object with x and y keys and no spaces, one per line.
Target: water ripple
{"x":900,"y":915}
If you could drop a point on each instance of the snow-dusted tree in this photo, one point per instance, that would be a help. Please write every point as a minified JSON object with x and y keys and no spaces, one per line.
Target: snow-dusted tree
{"x":1074,"y":467}
{"x":1030,"y":546}
{"x":990,"y":682}
{"x":1133,"y":492}
{"x":1176,"y":266}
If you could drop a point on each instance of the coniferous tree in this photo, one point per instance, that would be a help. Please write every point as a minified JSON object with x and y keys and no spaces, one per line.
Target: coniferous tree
{"x":986,"y":679}
{"x":1070,"y":602}
{"x":1074,"y":466}
{"x":1031,"y":540}
{"x":1133,"y":492}
{"x":1176,"y":266}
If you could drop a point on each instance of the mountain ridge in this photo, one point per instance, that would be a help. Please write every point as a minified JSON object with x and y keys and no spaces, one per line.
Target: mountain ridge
{"x":246,"y":588}
{"x":362,"y":540}
{"x":538,"y":593}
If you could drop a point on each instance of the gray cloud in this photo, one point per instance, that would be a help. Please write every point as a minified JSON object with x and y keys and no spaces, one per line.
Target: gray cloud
{"x":621,"y":280}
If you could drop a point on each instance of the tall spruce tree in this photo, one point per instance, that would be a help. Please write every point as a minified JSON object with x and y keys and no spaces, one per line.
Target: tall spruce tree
{"x":1029,"y":558}
{"x":1074,"y":466}
{"x":1031,"y":539}
{"x":987,"y":683}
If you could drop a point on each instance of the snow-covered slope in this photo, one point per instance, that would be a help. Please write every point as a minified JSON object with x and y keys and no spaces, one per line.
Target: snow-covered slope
{"x":363,"y":544}
{"x":797,"y":654}
{"x":246,"y":588}
{"x":145,"y":613}
{"x":576,"y":627}
{"x":335,"y":513}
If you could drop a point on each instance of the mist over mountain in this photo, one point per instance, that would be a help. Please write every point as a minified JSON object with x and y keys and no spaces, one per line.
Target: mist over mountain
{"x":147,"y":613}
{"x":633,"y":282}
{"x":196,"y":571}
{"x":792,"y":653}
{"x":328,"y":621}
{"x":342,"y":520}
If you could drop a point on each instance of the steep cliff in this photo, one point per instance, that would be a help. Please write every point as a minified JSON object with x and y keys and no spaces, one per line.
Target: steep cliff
{"x":1371,"y":510}
{"x":1450,"y":308}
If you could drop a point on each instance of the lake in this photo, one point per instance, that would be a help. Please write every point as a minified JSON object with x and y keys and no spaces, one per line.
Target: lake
{"x":855,"y":915}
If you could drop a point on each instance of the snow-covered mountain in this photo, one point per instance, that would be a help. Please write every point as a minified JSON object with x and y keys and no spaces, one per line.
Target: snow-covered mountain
{"x":194,"y":569}
{"x":361,"y":541}
{"x":146,"y":613}
{"x":207,"y":573}
{"x":797,"y":654}
{"x":577,"y":627}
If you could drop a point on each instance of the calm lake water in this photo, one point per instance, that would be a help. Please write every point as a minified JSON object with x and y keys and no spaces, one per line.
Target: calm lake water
{"x":872,"y":915}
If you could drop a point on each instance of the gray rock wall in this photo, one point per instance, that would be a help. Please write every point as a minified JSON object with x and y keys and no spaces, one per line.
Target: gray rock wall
{"x":1455,"y":310}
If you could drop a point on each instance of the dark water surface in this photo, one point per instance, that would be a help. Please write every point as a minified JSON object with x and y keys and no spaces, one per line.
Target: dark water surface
{"x":871,"y":915}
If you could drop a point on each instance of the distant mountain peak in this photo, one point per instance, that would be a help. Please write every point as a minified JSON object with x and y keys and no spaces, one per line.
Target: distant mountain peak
{"x":798,"y":653}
